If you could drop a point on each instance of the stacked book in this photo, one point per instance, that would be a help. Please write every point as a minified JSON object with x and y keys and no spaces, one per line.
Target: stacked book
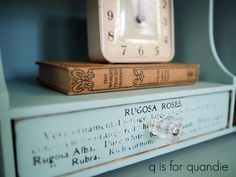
{"x":144,"y":33}
{"x":75,"y":78}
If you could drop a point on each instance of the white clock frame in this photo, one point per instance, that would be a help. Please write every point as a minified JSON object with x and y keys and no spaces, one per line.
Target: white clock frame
{"x":118,"y":50}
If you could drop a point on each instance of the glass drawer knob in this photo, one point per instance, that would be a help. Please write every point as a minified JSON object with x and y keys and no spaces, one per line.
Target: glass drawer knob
{"x":169,"y":128}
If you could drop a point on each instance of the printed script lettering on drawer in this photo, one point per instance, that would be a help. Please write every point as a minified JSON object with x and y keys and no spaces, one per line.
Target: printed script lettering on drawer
{"x":68,"y":143}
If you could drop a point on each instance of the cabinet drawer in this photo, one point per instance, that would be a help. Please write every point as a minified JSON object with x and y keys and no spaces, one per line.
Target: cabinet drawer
{"x":69,"y":143}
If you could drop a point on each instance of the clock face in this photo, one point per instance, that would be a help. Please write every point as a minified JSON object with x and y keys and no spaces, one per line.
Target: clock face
{"x":136,"y":30}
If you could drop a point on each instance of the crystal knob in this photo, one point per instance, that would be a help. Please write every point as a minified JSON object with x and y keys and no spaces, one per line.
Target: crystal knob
{"x":140,"y":18}
{"x":169,"y":128}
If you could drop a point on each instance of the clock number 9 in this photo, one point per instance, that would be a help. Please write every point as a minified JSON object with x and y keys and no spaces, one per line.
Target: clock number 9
{"x":110,"y":15}
{"x":140,"y":51}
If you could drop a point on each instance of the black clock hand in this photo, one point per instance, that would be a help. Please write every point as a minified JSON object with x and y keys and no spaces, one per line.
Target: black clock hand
{"x":140,"y":17}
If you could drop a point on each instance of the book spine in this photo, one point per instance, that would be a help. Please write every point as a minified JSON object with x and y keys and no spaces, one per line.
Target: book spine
{"x":100,"y":79}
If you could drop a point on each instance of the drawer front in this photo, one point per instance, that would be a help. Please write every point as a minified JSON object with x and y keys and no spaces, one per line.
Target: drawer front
{"x":68,"y":143}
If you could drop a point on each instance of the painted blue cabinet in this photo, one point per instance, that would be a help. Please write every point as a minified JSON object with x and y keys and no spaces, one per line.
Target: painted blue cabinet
{"x":46,"y":133}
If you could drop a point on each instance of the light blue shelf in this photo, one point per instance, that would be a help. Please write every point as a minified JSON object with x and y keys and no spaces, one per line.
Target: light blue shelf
{"x":41,"y":99}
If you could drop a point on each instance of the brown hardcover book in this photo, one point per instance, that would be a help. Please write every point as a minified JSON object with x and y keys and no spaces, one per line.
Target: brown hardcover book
{"x":83,"y":78}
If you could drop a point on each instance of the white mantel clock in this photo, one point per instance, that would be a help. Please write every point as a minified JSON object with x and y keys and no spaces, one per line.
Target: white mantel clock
{"x":130,"y":31}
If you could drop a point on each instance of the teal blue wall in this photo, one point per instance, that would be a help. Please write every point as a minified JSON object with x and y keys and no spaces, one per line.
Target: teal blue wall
{"x":225,"y":32}
{"x":38,"y":30}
